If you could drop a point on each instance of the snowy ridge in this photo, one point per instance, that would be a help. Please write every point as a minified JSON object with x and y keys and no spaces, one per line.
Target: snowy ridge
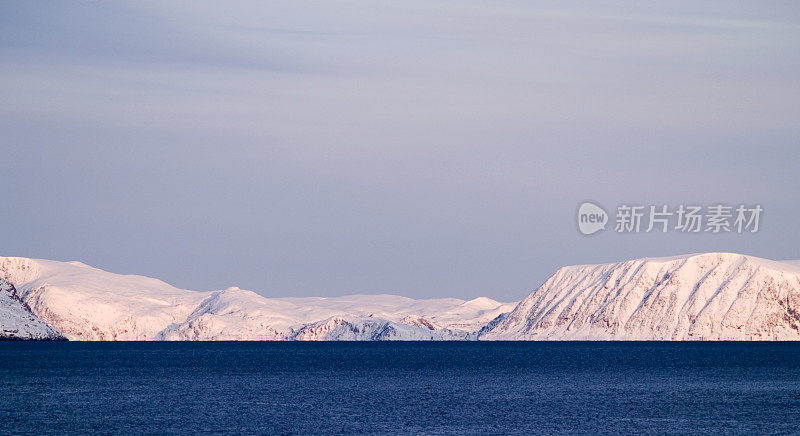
{"x":85,"y":303}
{"x":713,"y":296}
{"x":411,"y":328}
{"x":235,"y":314}
{"x":16,"y":319}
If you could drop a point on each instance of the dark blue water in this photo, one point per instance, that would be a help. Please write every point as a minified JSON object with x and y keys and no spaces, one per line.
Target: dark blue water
{"x":377,"y":388}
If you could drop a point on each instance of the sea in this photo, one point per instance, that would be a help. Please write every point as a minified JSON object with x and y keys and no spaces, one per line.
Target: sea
{"x":447,"y":388}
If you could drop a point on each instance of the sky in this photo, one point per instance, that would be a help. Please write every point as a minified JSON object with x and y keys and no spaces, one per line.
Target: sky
{"x":421,"y":148}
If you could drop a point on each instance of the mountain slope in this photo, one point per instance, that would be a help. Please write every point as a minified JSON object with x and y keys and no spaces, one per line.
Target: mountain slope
{"x":708,"y":296}
{"x":234,"y":314}
{"x":339,"y":328}
{"x":86,"y":303}
{"x":16,"y":319}
{"x":713,"y":296}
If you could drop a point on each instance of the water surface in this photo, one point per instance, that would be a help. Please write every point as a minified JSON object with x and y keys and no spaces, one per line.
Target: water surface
{"x":414,"y":387}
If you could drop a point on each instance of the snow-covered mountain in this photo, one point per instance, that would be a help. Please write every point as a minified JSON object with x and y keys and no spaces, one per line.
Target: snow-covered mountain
{"x":85,"y":303}
{"x":713,"y":296}
{"x":16,"y":319}
{"x":410,"y":328}
{"x":709,"y":296}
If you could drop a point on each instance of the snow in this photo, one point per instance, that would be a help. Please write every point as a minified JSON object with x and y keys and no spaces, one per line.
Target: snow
{"x":710,"y":296}
{"x":339,"y":328}
{"x":17,"y":321}
{"x":86,"y":303}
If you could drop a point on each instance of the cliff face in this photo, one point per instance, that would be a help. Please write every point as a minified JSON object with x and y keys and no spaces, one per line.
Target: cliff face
{"x":713,"y":296}
{"x":17,"y":322}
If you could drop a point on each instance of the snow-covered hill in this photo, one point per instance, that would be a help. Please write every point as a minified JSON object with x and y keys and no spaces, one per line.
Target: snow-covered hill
{"x":707,"y":296}
{"x":411,"y":328}
{"x":713,"y":296}
{"x":86,"y":303}
{"x":17,"y":321}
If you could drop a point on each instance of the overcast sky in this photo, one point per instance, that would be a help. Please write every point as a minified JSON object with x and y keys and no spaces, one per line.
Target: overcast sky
{"x":422,"y":148}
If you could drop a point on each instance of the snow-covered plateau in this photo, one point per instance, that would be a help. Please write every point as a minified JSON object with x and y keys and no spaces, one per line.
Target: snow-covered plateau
{"x":712,"y":296}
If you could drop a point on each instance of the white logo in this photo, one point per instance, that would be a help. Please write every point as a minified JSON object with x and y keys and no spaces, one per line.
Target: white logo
{"x":591,"y":218}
